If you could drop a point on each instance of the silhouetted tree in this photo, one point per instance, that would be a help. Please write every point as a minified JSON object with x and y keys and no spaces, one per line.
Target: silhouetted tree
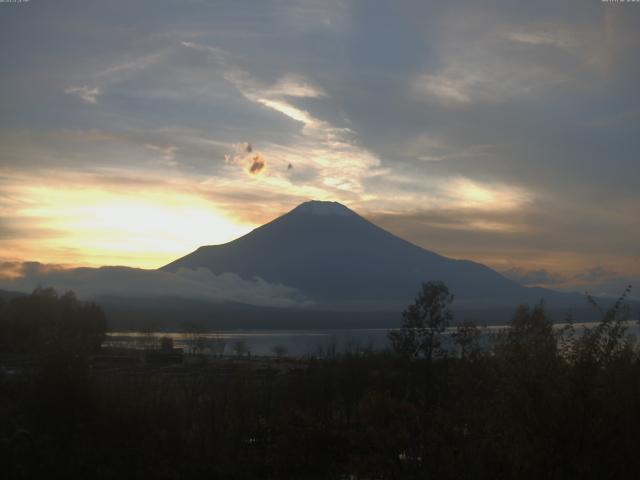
{"x":196,"y":341}
{"x":607,"y":341}
{"x":467,"y":338}
{"x":530,"y":339}
{"x":217,"y":344}
{"x":240,"y":347}
{"x":423,"y":322}
{"x":166,"y":343}
{"x":279,"y":351}
{"x":45,"y":321}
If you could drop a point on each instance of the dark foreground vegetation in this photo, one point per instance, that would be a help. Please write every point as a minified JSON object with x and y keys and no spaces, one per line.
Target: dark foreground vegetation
{"x":537,"y":403}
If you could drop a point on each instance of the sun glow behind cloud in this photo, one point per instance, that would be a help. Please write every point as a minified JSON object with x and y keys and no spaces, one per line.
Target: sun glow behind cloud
{"x":95,"y":226}
{"x":469,"y":194}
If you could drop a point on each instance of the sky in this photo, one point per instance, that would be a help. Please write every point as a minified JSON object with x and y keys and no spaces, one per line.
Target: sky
{"x":502,"y":132}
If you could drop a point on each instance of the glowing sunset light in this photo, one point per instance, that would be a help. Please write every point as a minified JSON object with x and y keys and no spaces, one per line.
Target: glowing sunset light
{"x":472,"y":194}
{"x":143,"y":230}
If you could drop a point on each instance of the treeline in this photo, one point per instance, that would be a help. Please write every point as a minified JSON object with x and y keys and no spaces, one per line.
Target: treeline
{"x":44,"y":321}
{"x":537,"y":403}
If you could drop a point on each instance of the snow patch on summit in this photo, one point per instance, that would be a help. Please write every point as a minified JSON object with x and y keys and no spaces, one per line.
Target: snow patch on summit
{"x":315,"y":207}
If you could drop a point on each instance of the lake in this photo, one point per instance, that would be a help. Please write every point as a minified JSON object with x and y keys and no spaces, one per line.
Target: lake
{"x":289,"y":342}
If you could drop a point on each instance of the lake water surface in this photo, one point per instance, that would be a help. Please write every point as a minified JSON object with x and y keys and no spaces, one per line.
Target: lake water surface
{"x":291,"y":342}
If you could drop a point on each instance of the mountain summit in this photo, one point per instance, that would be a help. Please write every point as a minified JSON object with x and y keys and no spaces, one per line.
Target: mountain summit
{"x":316,"y":207}
{"x":339,"y":259}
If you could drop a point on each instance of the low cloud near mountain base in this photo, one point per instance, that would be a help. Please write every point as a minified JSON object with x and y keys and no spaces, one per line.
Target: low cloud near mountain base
{"x":197,"y":283}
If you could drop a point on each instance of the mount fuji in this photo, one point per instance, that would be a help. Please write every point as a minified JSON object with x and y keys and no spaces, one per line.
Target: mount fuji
{"x":341,"y":261}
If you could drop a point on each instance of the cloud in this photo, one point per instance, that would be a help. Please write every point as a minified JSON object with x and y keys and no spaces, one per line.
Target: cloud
{"x":596,"y":274}
{"x":542,"y":233}
{"x":614,"y":287}
{"x":598,"y":281}
{"x":490,"y":57}
{"x":199,"y":283}
{"x":486,"y":77}
{"x":117,"y":217}
{"x":86,"y":94}
{"x":550,"y":37}
{"x":338,"y":162}
{"x":534,"y":277}
{"x":133,"y":64}
{"x":602,"y":281}
{"x":309,"y":15}
{"x":295,"y":86}
{"x":448,"y":85}
{"x":292,"y":112}
{"x":466,"y":193}
{"x":591,"y":277}
{"x":168,"y":153}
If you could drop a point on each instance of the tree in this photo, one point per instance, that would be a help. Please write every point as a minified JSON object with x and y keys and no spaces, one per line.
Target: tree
{"x":166,"y":344}
{"x":240,"y":347}
{"x":423,"y":322}
{"x":596,"y":347}
{"x":217,"y":344}
{"x":196,"y":341}
{"x":530,"y":343}
{"x":467,"y":338}
{"x":45,"y":321}
{"x":279,"y":351}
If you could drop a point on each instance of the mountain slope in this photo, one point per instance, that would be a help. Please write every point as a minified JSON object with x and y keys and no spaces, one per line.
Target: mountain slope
{"x":339,"y":259}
